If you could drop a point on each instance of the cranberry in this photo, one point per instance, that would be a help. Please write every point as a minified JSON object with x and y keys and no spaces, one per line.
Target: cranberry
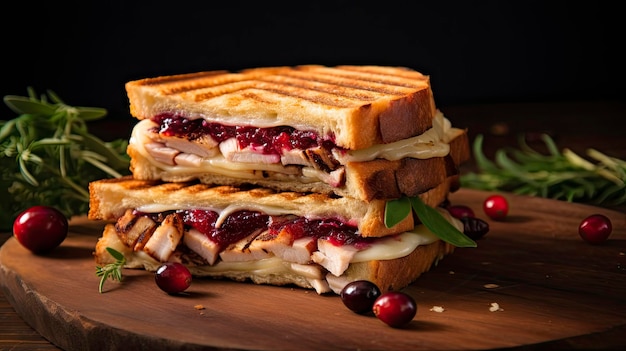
{"x":395,"y":308}
{"x":474,"y":228}
{"x":460,"y":211}
{"x":359,"y":296}
{"x":173,"y":277}
{"x":40,"y":229}
{"x":496,"y":207}
{"x":595,"y":229}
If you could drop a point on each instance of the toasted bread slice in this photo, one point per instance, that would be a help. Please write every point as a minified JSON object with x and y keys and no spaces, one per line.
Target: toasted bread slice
{"x":359,"y":106}
{"x":111,"y":198}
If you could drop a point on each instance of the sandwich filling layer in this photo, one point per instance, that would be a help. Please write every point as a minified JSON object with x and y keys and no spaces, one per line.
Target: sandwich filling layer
{"x":181,"y":146}
{"x":314,"y":251}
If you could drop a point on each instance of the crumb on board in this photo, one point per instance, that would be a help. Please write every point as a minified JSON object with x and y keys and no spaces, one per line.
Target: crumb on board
{"x":491,"y":286}
{"x":198,"y":307}
{"x":495,"y":307}
{"x":437,"y":309}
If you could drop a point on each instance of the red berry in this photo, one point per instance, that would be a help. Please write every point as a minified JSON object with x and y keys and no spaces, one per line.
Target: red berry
{"x":395,"y":308}
{"x":460,"y":211}
{"x":173,"y":277}
{"x":359,"y":295}
{"x":40,"y":229}
{"x":496,"y":207}
{"x":595,"y":229}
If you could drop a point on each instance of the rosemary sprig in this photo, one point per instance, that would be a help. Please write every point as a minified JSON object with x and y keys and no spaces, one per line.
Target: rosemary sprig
{"x":111,"y":270}
{"x":48,"y":156}
{"x":598,"y":179}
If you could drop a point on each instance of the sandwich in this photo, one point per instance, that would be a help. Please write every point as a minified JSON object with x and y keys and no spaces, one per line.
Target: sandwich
{"x":248,"y":233}
{"x":284,"y":176}
{"x":365,"y":132}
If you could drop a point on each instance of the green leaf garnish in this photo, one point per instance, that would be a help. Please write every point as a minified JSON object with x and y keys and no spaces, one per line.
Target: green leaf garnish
{"x":48,"y":156}
{"x":398,"y":209}
{"x":111,"y":270}
{"x":434,"y":221}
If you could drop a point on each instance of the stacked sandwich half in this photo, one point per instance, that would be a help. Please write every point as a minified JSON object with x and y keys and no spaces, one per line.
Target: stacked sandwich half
{"x":285,"y":176}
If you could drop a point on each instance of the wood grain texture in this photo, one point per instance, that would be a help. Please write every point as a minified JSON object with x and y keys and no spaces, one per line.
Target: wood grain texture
{"x":554,"y":290}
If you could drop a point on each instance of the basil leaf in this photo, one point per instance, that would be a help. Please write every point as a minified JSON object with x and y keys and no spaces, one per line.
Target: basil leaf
{"x":396,"y":210}
{"x":434,"y":221}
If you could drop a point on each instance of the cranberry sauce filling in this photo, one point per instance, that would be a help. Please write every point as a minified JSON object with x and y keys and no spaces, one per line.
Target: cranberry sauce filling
{"x":336,"y":232}
{"x":273,"y":140}
{"x":240,"y":224}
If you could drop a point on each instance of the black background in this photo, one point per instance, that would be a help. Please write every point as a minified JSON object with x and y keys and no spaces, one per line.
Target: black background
{"x":475,"y":52}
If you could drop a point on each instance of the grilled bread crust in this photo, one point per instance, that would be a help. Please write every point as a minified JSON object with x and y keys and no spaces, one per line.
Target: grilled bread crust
{"x":378,"y":179}
{"x":398,"y":273}
{"x":393,"y":274}
{"x":359,"y":105}
{"x":110,"y":198}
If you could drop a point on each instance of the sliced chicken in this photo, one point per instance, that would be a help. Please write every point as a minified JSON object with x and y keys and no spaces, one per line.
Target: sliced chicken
{"x":335,"y":259}
{"x":300,"y":250}
{"x":134,"y":231}
{"x":295,"y":157}
{"x":204,"y":146}
{"x":244,"y":251}
{"x":284,"y":246}
{"x":162,"y":153}
{"x":165,"y":238}
{"x":232,"y":152}
{"x":188,"y":160}
{"x":202,"y":245}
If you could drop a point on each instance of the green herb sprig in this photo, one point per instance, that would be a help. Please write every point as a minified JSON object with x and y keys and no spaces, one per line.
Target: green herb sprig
{"x":111,"y":270}
{"x":398,"y":209}
{"x":48,"y":156}
{"x":562,"y":175}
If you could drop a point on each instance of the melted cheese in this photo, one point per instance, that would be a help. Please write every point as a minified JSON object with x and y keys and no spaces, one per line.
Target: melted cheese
{"x":432,"y":143}
{"x":222,"y":212}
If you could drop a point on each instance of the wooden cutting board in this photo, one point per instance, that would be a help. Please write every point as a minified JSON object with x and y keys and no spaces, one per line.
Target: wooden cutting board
{"x":553,"y":291}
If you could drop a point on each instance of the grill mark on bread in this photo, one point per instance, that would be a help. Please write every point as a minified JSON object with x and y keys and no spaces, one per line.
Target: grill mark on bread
{"x":339,"y":85}
{"x":370,"y":74}
{"x":308,"y":84}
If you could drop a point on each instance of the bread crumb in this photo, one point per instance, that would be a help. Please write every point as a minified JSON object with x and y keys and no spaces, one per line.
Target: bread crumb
{"x":198,"y":307}
{"x":491,"y":286}
{"x":437,"y":309}
{"x":495,"y":307}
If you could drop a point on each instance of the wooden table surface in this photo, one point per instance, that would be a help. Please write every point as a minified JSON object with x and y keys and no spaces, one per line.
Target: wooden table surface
{"x":576,"y":125}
